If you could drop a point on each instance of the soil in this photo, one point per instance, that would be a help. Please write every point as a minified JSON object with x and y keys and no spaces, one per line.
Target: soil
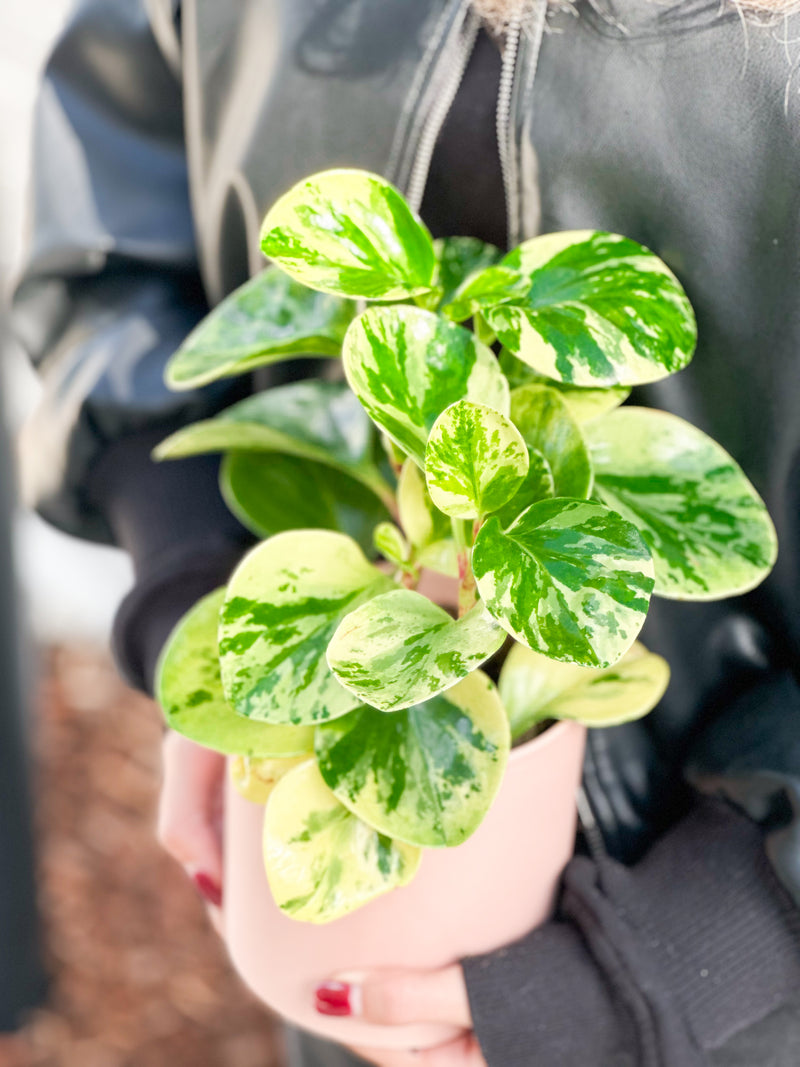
{"x":139,"y":979}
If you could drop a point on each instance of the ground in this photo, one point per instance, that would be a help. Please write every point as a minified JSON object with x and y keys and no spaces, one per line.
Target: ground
{"x":139,"y":978}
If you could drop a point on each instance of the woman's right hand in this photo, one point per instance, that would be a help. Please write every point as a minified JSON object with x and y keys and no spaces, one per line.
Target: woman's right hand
{"x":190,"y":814}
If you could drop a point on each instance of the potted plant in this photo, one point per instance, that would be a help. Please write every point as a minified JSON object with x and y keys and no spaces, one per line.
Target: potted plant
{"x":366,"y":720}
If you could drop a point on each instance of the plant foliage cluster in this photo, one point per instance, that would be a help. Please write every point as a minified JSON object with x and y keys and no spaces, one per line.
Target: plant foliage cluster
{"x":496,"y":455}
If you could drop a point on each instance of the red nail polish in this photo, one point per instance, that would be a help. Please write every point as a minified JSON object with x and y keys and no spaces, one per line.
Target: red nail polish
{"x":207,"y":888}
{"x":333,"y":998}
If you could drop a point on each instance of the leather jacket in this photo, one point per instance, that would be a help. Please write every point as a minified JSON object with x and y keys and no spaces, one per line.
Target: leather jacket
{"x":164,"y":132}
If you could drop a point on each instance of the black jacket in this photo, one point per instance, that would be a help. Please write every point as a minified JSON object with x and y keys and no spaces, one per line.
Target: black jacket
{"x":162,"y":136}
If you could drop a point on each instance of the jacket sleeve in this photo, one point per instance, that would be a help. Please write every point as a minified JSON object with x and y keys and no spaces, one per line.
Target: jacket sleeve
{"x":109,"y":290}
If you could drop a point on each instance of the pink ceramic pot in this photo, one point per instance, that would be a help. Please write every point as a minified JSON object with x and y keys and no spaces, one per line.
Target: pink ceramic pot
{"x":466,"y":900}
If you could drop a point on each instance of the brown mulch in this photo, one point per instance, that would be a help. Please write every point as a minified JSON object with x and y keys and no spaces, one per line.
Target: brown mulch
{"x":139,"y":977}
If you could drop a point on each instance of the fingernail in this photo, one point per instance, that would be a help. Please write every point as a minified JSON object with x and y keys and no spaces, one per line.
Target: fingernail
{"x":334,"y":998}
{"x":207,"y":888}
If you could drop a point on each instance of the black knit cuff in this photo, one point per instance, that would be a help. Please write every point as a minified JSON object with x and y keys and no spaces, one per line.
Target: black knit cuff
{"x":153,"y":508}
{"x":647,"y":966}
{"x":157,"y":602}
{"x":545,"y":1000}
{"x":721,"y":928}
{"x":172,"y":520}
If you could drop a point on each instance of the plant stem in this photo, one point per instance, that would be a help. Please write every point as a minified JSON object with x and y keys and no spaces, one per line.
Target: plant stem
{"x":467,"y":593}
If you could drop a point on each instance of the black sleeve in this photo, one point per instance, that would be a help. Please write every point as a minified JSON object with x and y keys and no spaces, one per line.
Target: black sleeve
{"x":110,"y":285}
{"x":110,"y":288}
{"x":650,"y":966}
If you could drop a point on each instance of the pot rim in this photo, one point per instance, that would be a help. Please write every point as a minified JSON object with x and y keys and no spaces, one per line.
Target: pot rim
{"x":551,"y":735}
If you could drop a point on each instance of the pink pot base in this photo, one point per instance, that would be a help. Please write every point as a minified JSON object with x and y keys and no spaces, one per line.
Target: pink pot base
{"x":464,"y":901}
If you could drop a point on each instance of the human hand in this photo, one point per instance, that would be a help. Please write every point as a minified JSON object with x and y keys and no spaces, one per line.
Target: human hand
{"x":190,"y":814}
{"x":392,"y":998}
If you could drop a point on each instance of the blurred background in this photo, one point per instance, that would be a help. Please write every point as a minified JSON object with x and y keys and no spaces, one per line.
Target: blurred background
{"x":131,"y":974}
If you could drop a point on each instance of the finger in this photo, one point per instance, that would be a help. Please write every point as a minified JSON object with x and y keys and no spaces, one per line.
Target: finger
{"x":190,"y":811}
{"x":392,"y":998}
{"x":463,"y":1052}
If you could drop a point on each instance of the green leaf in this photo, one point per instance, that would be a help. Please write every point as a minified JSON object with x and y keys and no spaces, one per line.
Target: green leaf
{"x":323,"y":862}
{"x":475,"y":460}
{"x":426,"y":775}
{"x":707,"y":528}
{"x":350,"y":233}
{"x":269,"y":492}
{"x":189,"y":689}
{"x":583,"y":402}
{"x":265,"y":320}
{"x":428,"y":530}
{"x":284,"y":602}
{"x":255,"y":779}
{"x":320,"y":421}
{"x":534,"y":688}
{"x":400,"y":649}
{"x":407,"y":365}
{"x":497,"y":284}
{"x":570,"y":579}
{"x":598,"y":309}
{"x":439,"y":556}
{"x":420,"y":518}
{"x":391,"y":544}
{"x":538,"y":485}
{"x":544,"y":421}
{"x":456,"y":259}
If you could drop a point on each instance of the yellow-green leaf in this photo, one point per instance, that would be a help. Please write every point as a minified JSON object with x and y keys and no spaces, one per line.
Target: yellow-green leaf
{"x":189,"y":689}
{"x":323,"y":862}
{"x":350,"y":233}
{"x":426,"y":775}
{"x":534,"y":688}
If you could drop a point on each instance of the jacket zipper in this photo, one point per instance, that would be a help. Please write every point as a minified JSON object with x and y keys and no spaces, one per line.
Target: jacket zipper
{"x":433,"y":91}
{"x":523,"y":41}
{"x":426,"y":108}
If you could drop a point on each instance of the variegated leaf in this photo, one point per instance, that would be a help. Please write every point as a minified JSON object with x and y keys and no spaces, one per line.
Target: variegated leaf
{"x":426,"y":775}
{"x":320,"y":421}
{"x":457,"y":258}
{"x":584,"y":402}
{"x":544,"y":421}
{"x":267,"y":319}
{"x":534,"y":688}
{"x":254,"y":779}
{"x":284,"y":602}
{"x":538,"y":485}
{"x":707,"y":528}
{"x":189,"y":689}
{"x":350,"y":233}
{"x":598,"y":309}
{"x":569,"y":578}
{"x":407,"y":365}
{"x":269,"y":492}
{"x":475,"y":460}
{"x":400,"y":649}
{"x":323,"y":862}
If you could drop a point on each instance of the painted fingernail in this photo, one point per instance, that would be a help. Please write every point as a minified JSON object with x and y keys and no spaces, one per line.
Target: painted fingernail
{"x":208,"y":889}
{"x":334,"y":998}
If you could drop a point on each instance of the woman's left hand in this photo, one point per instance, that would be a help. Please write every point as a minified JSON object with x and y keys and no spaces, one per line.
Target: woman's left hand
{"x":395,"y":998}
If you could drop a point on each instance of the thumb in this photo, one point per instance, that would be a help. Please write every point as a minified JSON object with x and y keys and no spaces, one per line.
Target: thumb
{"x":393,"y":998}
